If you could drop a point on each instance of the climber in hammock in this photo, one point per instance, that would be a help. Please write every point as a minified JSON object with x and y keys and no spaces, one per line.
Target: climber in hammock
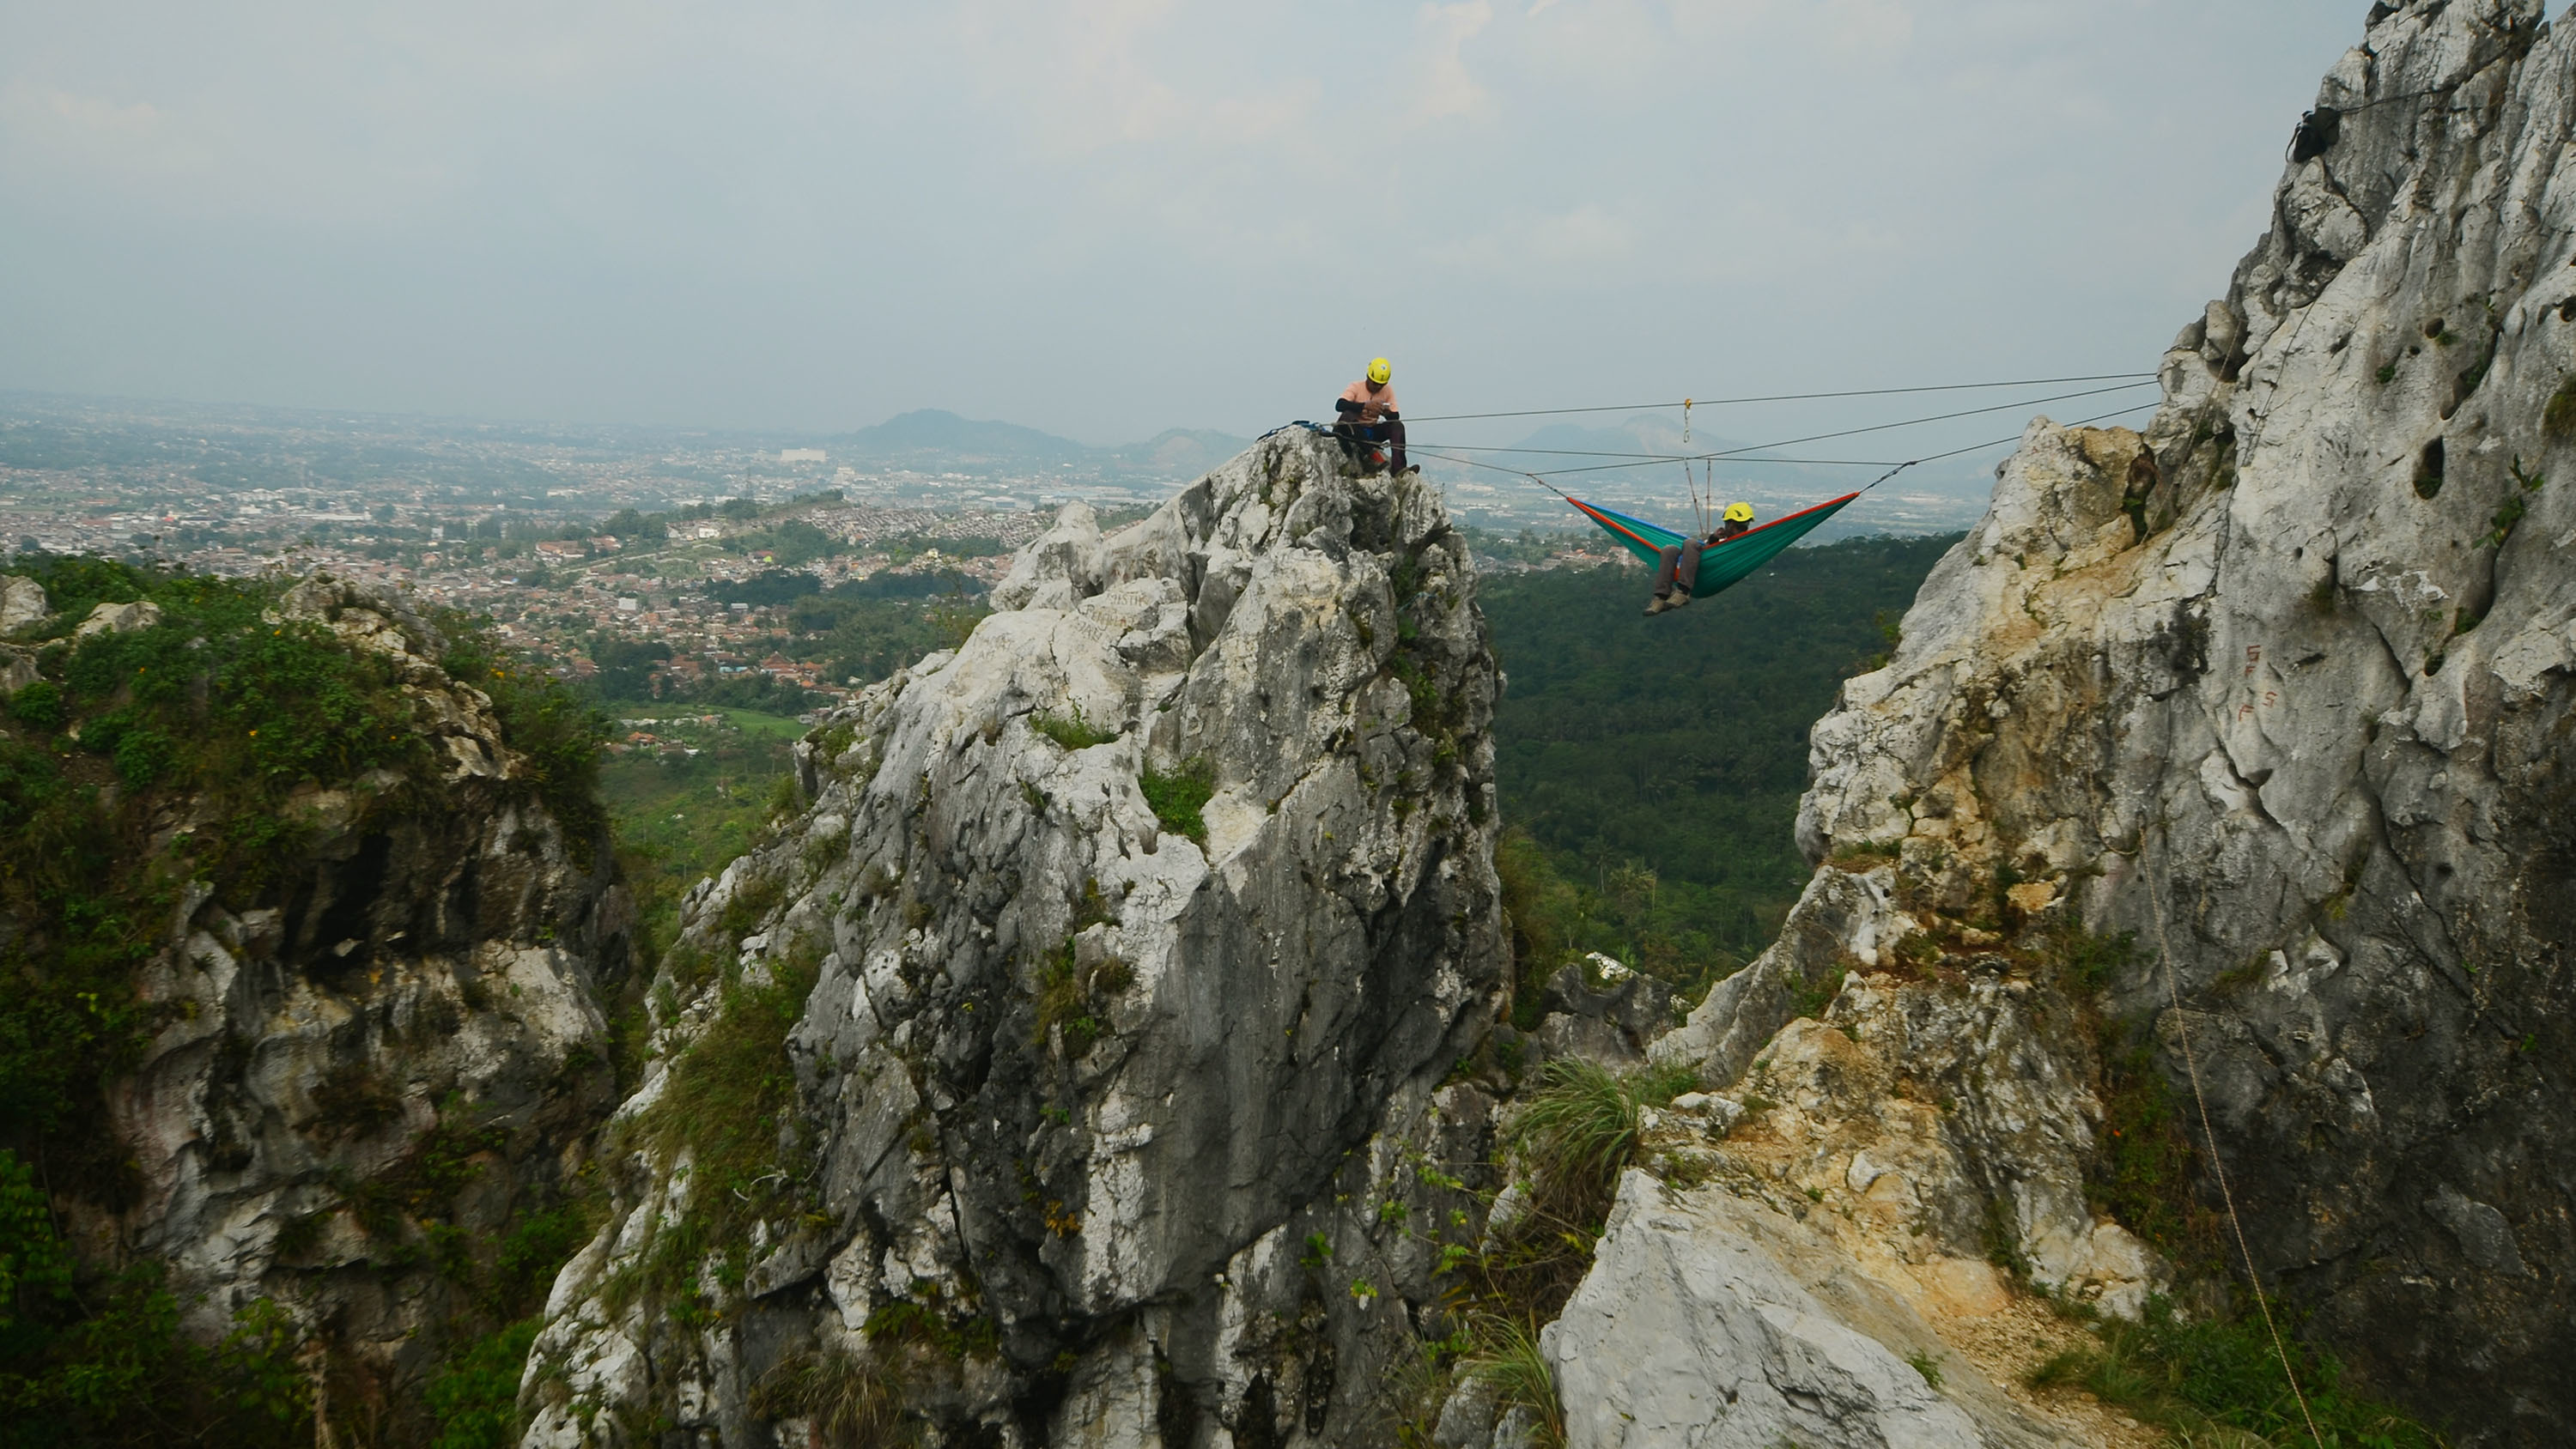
{"x":1678,"y":573}
{"x":1367,"y":409}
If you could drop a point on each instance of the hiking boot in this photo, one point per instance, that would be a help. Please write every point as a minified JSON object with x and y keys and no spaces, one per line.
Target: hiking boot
{"x":1680,"y":597}
{"x":1658,"y":604}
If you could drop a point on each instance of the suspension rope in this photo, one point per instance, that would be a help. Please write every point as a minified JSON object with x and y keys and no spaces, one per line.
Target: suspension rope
{"x":2218,"y":1169}
{"x":1540,"y":478}
{"x":1782,"y":397}
{"x":1731,"y":454}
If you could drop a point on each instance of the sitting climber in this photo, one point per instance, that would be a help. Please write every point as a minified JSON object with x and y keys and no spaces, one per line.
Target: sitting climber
{"x":1678,"y":573}
{"x":1368,"y":415}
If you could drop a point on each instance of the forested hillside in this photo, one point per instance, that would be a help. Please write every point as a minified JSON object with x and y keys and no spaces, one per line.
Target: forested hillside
{"x":1651,"y":768}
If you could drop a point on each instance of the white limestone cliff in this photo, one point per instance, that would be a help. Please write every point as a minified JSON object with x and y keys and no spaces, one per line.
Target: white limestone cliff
{"x":2286,"y":682}
{"x":1084,"y":1090}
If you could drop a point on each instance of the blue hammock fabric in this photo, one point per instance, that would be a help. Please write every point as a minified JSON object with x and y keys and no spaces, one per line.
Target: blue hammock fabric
{"x":1721,"y":565}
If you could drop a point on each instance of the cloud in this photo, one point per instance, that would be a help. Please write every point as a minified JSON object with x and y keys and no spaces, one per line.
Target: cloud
{"x":48,"y":125}
{"x":1577,"y":247}
{"x":830,"y":209}
{"x":1446,"y":88}
{"x":1868,"y":27}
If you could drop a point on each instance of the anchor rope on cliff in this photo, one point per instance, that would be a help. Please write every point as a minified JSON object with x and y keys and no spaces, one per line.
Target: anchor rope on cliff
{"x":2218,"y":1169}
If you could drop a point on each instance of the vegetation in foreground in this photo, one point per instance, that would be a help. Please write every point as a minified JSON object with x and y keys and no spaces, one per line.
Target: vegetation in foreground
{"x":2219,"y":1381}
{"x":218,"y":705}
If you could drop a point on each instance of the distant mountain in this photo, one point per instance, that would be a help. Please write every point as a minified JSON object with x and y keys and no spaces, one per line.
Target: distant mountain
{"x":1177,"y":452}
{"x":936,"y":432}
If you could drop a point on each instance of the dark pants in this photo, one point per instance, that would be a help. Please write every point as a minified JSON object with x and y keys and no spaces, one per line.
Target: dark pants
{"x":1353,"y":434}
{"x":1680,"y":566}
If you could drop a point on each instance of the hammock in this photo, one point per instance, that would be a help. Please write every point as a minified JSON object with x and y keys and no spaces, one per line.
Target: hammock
{"x":1721,"y":565}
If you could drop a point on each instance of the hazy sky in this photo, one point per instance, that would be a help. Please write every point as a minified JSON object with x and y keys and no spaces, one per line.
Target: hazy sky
{"x":1106,"y":219}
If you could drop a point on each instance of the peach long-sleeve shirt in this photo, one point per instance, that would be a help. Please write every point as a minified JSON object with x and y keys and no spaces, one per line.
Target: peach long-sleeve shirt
{"x":1374,"y":398}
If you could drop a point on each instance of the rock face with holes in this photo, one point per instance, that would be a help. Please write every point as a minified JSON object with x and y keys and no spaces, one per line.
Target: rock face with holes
{"x":382,"y":1062}
{"x":1129,"y":946}
{"x":2289,"y":683}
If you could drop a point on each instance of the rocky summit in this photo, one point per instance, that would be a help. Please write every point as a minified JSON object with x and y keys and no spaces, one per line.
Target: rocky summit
{"x":1120,"y":956}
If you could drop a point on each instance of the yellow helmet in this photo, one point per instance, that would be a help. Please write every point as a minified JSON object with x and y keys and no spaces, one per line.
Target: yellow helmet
{"x":1739,"y":513}
{"x":1379,"y":372}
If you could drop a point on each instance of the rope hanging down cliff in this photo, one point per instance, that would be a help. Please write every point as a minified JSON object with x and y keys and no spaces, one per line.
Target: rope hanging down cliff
{"x":2218,"y":1169}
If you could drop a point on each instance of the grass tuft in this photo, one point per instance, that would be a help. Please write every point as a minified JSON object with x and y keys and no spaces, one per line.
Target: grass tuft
{"x":1177,"y":799}
{"x":1581,"y":1128}
{"x":2220,"y":1380}
{"x":1506,"y":1356}
{"x":1070,"y":731}
{"x":851,"y":1402}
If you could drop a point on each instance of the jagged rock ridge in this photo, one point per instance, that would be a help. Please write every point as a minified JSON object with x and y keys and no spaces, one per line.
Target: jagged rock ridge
{"x":1097,"y":1108}
{"x":2287,"y":682}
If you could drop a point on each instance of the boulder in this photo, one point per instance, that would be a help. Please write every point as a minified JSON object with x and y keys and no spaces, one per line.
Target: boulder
{"x":119,"y":619}
{"x":1711,"y":1320}
{"x":22,"y":603}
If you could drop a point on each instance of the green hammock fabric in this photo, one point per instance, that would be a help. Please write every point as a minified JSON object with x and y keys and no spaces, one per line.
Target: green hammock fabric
{"x":1721,"y":565}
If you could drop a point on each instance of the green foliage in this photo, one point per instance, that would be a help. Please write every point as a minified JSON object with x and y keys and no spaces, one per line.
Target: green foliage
{"x":107,"y":1364}
{"x":906,"y":1322}
{"x":1075,"y":997}
{"x":39,"y":705}
{"x":729,"y":1103}
{"x":1929,"y":1366}
{"x":791,"y":543}
{"x":1809,"y":996}
{"x":475,"y":1396}
{"x":35,"y":1271}
{"x":1177,"y":799}
{"x":2089,"y":963}
{"x":538,"y":1243}
{"x":864,"y":630}
{"x":1070,"y":731}
{"x":558,"y":730}
{"x":1674,"y":746}
{"x":679,"y":818}
{"x":2221,"y":1374}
